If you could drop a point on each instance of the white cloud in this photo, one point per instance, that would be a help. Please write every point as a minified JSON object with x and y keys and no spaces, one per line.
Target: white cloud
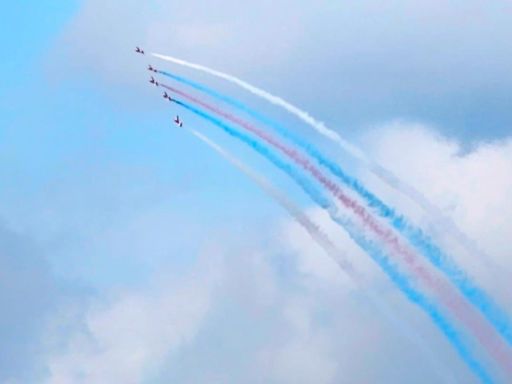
{"x":305,"y":359}
{"x":305,"y":324}
{"x":101,"y":38}
{"x":472,"y":188}
{"x":306,"y":354}
{"x":124,"y":339}
{"x":308,"y":323}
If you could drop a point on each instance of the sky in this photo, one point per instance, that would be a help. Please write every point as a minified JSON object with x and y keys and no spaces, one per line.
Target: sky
{"x":130,"y":252}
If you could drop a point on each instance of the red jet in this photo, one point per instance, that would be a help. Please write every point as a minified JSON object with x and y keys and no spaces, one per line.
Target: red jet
{"x":153,"y":81}
{"x":178,"y":122}
{"x":150,"y":68}
{"x":166,"y":96}
{"x":138,"y":50}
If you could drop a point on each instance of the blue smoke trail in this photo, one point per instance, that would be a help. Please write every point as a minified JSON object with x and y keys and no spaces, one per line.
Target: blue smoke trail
{"x":416,"y":237}
{"x":373,"y":250}
{"x":335,"y":254}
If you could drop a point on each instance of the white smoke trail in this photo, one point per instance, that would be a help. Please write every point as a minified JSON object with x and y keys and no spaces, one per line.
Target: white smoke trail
{"x":276,"y":100}
{"x":331,"y":250}
{"x":384,"y":174}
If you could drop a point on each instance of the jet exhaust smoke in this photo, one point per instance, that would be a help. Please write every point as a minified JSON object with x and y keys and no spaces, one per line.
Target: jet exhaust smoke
{"x":384,"y":174}
{"x":416,"y":237}
{"x":455,"y":336}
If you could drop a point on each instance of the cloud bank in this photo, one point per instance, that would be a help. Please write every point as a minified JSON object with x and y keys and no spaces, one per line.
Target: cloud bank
{"x":285,"y":314}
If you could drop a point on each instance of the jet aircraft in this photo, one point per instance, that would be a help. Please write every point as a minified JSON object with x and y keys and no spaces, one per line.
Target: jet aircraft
{"x":178,"y":122}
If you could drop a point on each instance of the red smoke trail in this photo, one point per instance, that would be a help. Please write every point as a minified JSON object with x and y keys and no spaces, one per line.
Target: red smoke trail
{"x":449,"y":298}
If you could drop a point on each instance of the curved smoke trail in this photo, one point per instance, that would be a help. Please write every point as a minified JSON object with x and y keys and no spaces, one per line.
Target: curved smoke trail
{"x":330,"y":249}
{"x":294,"y":211}
{"x":373,"y":250}
{"x":387,"y":176}
{"x":414,"y":235}
{"x":384,"y":174}
{"x":460,"y":309}
{"x":276,"y":100}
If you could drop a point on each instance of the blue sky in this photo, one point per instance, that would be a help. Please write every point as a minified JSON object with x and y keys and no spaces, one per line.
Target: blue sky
{"x":108,"y":213}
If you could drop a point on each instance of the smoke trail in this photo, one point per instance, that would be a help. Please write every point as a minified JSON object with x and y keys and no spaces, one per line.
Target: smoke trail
{"x":331,"y":250}
{"x":387,"y":176}
{"x":461,"y":309}
{"x":294,"y":211}
{"x":496,"y":316}
{"x":372,"y":249}
{"x":276,"y":100}
{"x":483,"y":334}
